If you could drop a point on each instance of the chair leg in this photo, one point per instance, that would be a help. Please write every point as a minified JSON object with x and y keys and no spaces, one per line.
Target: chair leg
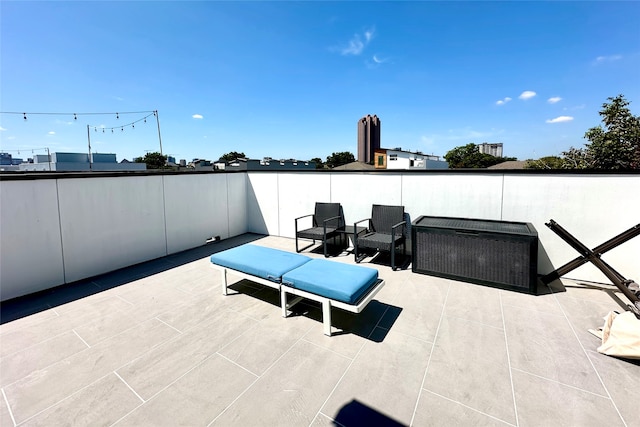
{"x":393,"y":258}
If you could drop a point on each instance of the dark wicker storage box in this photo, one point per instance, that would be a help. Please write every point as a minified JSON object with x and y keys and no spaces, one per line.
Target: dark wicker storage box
{"x":494,"y":253}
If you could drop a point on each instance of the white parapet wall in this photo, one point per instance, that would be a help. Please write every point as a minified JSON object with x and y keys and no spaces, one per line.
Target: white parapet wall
{"x":59,"y":230}
{"x":56,"y":229}
{"x":592,"y":207}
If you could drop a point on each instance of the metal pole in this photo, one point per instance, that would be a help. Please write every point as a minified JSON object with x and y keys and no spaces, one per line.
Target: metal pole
{"x":89,"y":142}
{"x":158,"y":123}
{"x":49,"y":158}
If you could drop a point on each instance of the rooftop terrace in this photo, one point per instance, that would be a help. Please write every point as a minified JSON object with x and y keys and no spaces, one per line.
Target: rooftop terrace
{"x":158,"y":344}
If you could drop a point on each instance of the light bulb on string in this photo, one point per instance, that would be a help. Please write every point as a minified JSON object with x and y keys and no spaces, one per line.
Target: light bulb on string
{"x":122,"y":128}
{"x":24,"y":115}
{"x":75,"y":116}
{"x":132,"y":125}
{"x":117,"y":116}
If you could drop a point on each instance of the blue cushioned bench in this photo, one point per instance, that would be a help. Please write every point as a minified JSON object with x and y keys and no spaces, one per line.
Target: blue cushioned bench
{"x":256,"y":263}
{"x":344,"y":286}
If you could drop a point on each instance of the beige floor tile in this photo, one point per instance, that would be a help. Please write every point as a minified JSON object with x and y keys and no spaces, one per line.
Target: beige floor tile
{"x":545,"y":344}
{"x":193,"y":311}
{"x":18,"y":365}
{"x":77,"y":314}
{"x":194,"y":399}
{"x":621,"y":378}
{"x":291,"y":392}
{"x":474,"y":302}
{"x":99,"y":404}
{"x":5,"y":415}
{"x":469,"y":365}
{"x":434,"y":410}
{"x":31,"y":321}
{"x":422,"y":301}
{"x":46,"y":387}
{"x":156,"y":369}
{"x":385,"y":377}
{"x":541,"y":402}
{"x":104,"y":327}
{"x":256,"y":354}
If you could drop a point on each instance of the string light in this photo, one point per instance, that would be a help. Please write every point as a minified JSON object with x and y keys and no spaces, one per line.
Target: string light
{"x":25,"y":115}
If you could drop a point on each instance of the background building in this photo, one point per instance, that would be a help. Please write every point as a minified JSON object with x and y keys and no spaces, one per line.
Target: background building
{"x":78,"y":162}
{"x":493,"y":149}
{"x":268,"y":164}
{"x":407,"y":160}
{"x":368,"y":138}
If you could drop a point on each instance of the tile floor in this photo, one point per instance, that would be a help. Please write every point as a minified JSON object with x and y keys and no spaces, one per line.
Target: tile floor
{"x":158,"y":344}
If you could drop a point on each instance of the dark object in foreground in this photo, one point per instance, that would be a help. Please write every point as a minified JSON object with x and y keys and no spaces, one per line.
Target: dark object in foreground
{"x":501,"y":254}
{"x":627,"y":287}
{"x":387,"y":231}
{"x":327,"y":223}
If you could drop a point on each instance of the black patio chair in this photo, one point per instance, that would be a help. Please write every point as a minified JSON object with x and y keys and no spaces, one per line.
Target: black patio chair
{"x":386,"y":231}
{"x":327,"y":223}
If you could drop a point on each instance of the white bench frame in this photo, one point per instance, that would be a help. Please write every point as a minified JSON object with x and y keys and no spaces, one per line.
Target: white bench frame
{"x":250,"y":277}
{"x":327,"y":303}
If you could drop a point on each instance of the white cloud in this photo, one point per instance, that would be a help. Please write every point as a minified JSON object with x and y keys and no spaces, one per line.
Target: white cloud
{"x":560,"y":119}
{"x":51,"y":133}
{"x":527,"y":94}
{"x":1,"y":128}
{"x":503,"y":101}
{"x":368,"y":35}
{"x":554,"y":100}
{"x":197,"y":116}
{"x":356,"y":45}
{"x":609,"y":58}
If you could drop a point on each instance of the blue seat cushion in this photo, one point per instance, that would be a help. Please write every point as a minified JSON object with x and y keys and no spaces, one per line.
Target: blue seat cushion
{"x":259,"y":261}
{"x":341,"y":282}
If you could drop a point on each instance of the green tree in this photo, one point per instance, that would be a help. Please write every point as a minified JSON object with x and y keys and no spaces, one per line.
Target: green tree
{"x":319,"y":162}
{"x":548,"y":162}
{"x":339,"y":159}
{"x":153,"y":160}
{"x":231,"y":156}
{"x":616,"y":145}
{"x":469,"y":156}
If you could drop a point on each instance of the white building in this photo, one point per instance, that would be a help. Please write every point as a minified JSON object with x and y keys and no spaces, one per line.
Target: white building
{"x":494,"y":149}
{"x":79,"y":162}
{"x":406,"y":160}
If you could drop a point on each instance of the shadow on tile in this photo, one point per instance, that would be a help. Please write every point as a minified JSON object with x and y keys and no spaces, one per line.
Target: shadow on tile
{"x":355,"y":413}
{"x":342,"y":322}
{"x":27,"y":305}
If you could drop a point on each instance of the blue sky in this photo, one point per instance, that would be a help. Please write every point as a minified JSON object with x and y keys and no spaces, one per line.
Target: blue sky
{"x":291,"y":79}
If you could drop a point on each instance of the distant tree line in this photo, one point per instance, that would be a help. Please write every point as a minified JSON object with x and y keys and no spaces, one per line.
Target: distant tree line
{"x":469,"y":156}
{"x":614,"y":145}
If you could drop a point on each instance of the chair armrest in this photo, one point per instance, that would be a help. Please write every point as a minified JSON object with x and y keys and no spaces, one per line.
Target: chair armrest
{"x":304,"y":216}
{"x":332,"y":218}
{"x":324,"y":223}
{"x":393,"y":229}
{"x":399,"y":224}
{"x":358,"y":222}
{"x":296,"y":222}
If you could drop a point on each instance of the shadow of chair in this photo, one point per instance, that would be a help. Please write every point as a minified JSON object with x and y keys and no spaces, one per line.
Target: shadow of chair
{"x":386,"y":231}
{"x":327,"y":222}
